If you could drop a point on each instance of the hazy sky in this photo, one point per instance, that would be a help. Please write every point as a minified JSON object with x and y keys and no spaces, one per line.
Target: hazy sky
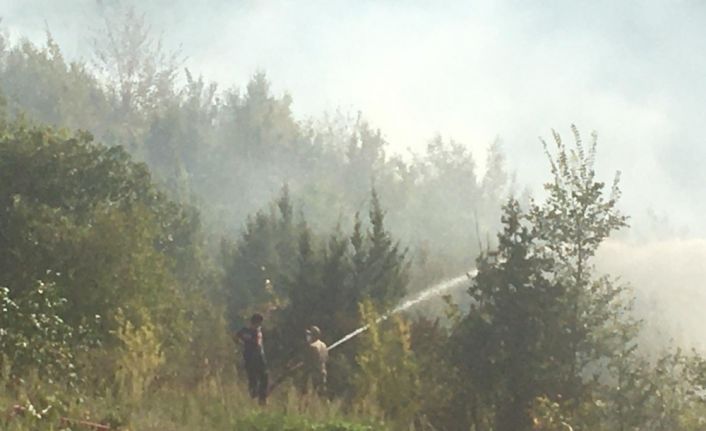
{"x":634,"y":71}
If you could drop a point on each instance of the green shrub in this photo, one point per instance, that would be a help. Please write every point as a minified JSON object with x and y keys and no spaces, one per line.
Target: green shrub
{"x":33,"y":336}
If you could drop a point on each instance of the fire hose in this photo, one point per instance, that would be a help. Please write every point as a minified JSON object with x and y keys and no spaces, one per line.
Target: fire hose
{"x":405,"y":305}
{"x":287,"y":372}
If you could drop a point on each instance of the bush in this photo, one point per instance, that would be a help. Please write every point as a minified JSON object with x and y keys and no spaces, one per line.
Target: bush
{"x":33,"y":336}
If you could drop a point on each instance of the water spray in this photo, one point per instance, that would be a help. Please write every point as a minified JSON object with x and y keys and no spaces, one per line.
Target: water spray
{"x":405,"y":305}
{"x":422,"y":296}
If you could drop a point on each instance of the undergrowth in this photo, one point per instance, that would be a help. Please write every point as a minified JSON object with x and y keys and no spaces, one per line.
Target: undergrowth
{"x":212,"y":405}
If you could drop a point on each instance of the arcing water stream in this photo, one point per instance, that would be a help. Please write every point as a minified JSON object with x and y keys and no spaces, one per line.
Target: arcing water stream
{"x":422,"y":296}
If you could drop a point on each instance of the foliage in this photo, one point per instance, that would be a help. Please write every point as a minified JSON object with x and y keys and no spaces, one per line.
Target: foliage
{"x":445,"y":390}
{"x":572,"y":222}
{"x":137,"y":70}
{"x":388,"y":378}
{"x":547,"y":344}
{"x":140,"y":357}
{"x":230,"y":151}
{"x":42,"y":84}
{"x":88,"y":221}
{"x":547,"y":416}
{"x":258,"y":266}
{"x":379,"y":263}
{"x":312,"y":282}
{"x":506,"y":344}
{"x":215,"y":406}
{"x":33,"y":336}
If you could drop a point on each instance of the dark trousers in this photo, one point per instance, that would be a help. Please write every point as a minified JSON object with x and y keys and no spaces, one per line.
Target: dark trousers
{"x":315,"y":380}
{"x":257,"y":381}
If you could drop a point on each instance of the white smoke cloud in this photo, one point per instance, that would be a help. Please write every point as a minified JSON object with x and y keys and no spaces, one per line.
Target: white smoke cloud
{"x":470,"y":70}
{"x":669,"y":281}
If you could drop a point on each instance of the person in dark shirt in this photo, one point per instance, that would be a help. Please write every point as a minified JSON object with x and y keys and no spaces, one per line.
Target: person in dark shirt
{"x":254,"y":356}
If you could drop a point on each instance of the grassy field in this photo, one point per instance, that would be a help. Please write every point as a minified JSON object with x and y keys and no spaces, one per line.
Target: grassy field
{"x":209,"y":406}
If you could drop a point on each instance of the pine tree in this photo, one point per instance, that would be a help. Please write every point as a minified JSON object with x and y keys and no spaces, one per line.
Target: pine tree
{"x":259,"y":266}
{"x":338,"y":292}
{"x":504,"y":340}
{"x":386,"y":267}
{"x":542,"y":325}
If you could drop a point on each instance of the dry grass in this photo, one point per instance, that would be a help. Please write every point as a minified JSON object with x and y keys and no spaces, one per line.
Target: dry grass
{"x":212,"y":405}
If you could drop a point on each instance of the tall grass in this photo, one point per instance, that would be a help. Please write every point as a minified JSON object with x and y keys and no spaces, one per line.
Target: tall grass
{"x":214,"y":404}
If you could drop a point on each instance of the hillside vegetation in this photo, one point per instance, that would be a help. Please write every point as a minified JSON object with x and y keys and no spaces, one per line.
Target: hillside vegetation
{"x":143,"y":220}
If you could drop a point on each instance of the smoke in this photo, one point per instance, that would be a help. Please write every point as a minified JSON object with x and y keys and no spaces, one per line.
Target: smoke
{"x":475,"y":70}
{"x":669,"y":281}
{"x":471,"y":70}
{"x":667,"y":277}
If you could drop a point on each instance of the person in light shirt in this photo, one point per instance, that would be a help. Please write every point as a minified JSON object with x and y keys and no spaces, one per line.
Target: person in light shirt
{"x":315,"y":359}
